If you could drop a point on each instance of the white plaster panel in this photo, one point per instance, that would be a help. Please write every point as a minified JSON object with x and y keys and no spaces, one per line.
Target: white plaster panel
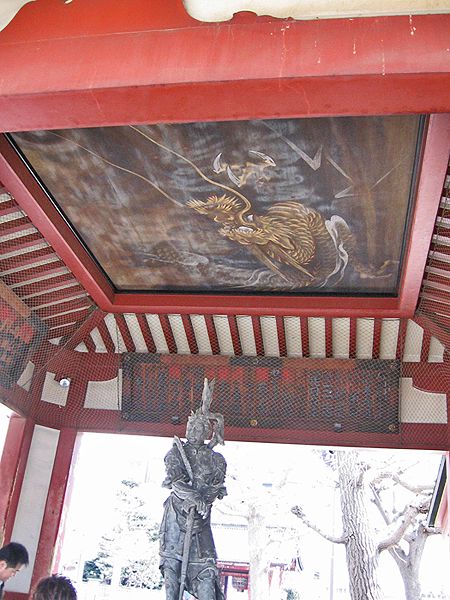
{"x":114,"y":332}
{"x":223,"y":334}
{"x":293,"y":337}
{"x":246,"y":335}
{"x":98,"y":341}
{"x":81,"y":347}
{"x":418,"y":406}
{"x":52,"y":392}
{"x":340,"y":328}
{"x":104,"y":395}
{"x":223,"y":10}
{"x":413,"y":342}
{"x":436,"y":352}
{"x":179,"y":334}
{"x":30,"y":510}
{"x":26,"y":377}
{"x":270,"y":336}
{"x":201,"y":334}
{"x":157,"y":333}
{"x":9,"y":9}
{"x":364,"y":338}
{"x":389,"y":338}
{"x":316,"y":337}
{"x":135,"y":332}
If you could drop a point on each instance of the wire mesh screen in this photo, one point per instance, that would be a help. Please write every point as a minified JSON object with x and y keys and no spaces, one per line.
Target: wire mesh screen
{"x":266,"y":392}
{"x":320,"y":392}
{"x":357,"y":381}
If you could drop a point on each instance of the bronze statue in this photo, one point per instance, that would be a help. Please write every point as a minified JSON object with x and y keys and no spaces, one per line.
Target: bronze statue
{"x":195,"y":474}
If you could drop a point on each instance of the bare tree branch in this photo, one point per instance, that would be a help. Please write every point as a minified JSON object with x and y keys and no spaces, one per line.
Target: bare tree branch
{"x":395,"y":537}
{"x":378,"y":504}
{"x":222,"y":509}
{"x":298,"y":512}
{"x":415,"y":489}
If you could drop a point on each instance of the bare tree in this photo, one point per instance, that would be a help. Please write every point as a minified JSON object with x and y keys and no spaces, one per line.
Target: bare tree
{"x":405,"y":533}
{"x":406,"y":542}
{"x":261,"y":499}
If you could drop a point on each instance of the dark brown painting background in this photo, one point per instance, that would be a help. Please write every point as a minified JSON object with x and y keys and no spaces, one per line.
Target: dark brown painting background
{"x":126,"y":195}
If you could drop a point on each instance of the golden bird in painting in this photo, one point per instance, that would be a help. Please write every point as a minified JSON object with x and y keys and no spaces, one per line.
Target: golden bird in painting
{"x":291,"y":239}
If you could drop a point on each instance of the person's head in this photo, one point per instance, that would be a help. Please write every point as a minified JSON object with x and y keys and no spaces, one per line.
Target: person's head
{"x":55,"y":587}
{"x":13,"y":557}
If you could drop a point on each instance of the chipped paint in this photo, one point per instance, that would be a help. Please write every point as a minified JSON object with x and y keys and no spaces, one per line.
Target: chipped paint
{"x":9,"y":9}
{"x":223,"y":10}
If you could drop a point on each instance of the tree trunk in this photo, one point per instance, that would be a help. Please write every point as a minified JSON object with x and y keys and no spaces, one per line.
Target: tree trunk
{"x":257,"y":542}
{"x":409,"y":564}
{"x":360,"y":547}
{"x":411,"y":582}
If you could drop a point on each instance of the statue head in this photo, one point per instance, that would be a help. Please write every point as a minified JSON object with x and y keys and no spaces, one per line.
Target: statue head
{"x":203,"y":424}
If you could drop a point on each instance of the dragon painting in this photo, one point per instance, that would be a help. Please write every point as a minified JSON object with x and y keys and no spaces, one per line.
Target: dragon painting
{"x":291,"y":239}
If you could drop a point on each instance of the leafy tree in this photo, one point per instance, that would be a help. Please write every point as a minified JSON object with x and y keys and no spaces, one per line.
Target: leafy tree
{"x":403,"y":536}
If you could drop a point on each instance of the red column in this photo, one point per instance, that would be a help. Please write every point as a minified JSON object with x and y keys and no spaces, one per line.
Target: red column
{"x":54,"y":506}
{"x":12,"y":470}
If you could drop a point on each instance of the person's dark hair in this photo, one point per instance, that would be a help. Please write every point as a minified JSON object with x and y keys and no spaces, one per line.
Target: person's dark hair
{"x":56,"y":587}
{"x":14,"y":554}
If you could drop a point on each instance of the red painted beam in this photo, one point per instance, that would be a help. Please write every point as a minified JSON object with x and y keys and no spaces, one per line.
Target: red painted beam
{"x":30,"y":258}
{"x":235,"y":337}
{"x":146,"y":332}
{"x":106,"y":337}
{"x":7,"y":208}
{"x":8,"y":466}
{"x":281,"y":336}
{"x":72,"y":317}
{"x":257,"y":332}
{"x":54,"y":505}
{"x":190,"y":334}
{"x":63,"y":307}
{"x":83,"y":330}
{"x":304,"y":332}
{"x":434,"y":328}
{"x":15,"y":226}
{"x":20,"y":243}
{"x":15,"y":466}
{"x":43,"y":285}
{"x":168,"y":334}
{"x":125,"y":333}
{"x":55,"y":295}
{"x":66,"y":330}
{"x":212,"y":334}
{"x":180,"y":70}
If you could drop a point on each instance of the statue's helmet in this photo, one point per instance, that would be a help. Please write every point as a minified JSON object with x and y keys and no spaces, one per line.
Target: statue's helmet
{"x":203,"y":423}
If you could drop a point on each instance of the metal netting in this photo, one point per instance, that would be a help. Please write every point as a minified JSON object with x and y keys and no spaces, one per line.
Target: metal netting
{"x":382,"y":382}
{"x":348,"y":381}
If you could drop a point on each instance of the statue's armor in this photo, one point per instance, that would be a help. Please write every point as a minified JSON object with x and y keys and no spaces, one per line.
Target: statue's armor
{"x":208,"y":475}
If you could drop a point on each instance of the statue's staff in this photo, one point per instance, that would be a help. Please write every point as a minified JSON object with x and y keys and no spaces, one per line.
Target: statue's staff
{"x":189,"y":521}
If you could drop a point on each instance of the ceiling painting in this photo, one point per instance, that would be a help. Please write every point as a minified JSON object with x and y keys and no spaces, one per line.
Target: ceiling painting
{"x":297,"y":206}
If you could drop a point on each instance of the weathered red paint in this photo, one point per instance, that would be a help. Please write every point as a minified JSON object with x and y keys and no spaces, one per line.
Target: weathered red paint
{"x":17,"y":447}
{"x":53,"y":506}
{"x":8,"y":466}
{"x":178,"y":69}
